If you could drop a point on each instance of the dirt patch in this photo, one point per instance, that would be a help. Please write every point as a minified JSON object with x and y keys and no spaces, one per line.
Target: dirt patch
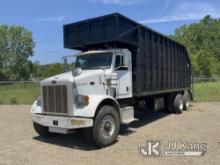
{"x":19,"y":144}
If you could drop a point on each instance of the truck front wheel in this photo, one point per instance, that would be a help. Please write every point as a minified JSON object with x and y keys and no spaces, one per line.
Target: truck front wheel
{"x":106,"y":127}
{"x":42,"y":131}
{"x":174,"y":103}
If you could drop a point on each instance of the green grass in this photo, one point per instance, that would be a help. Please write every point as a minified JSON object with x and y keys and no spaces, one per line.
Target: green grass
{"x":26,"y":93}
{"x":19,"y":93}
{"x":207,"y":92}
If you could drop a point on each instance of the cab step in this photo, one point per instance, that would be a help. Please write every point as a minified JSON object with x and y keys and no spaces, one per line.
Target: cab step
{"x":127,"y":115}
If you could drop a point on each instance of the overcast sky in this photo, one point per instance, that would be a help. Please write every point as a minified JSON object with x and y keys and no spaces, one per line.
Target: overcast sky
{"x":45,"y":18}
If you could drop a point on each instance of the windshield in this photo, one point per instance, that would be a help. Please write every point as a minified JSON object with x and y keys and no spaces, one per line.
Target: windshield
{"x":95,"y":61}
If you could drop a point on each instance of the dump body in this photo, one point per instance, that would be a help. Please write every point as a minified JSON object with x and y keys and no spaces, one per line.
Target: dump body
{"x":159,"y":64}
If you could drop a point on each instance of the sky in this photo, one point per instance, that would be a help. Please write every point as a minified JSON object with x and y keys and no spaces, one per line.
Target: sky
{"x":45,"y":18}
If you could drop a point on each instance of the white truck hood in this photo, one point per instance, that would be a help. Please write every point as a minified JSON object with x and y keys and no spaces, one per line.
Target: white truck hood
{"x":68,"y":77}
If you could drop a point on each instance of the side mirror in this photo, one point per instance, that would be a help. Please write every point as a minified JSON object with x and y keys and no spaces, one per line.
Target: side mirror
{"x":76,"y":72}
{"x":65,"y":64}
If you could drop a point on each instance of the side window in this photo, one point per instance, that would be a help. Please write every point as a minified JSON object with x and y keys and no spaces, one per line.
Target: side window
{"x":118,"y":61}
{"x":122,"y":61}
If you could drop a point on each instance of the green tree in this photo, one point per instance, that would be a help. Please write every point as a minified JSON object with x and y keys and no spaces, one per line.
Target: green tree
{"x":42,"y":71}
{"x":47,"y":70}
{"x":202,"y":40}
{"x":16,"y":46}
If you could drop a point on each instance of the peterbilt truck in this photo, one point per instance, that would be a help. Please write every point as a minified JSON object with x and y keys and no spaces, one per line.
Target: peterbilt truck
{"x":122,"y":64}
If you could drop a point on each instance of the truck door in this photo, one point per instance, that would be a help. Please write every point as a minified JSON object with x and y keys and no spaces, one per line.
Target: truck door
{"x":123,"y":68}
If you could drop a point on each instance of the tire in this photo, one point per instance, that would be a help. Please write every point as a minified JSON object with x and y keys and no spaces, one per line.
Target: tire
{"x":178,"y":104}
{"x":106,"y":127}
{"x":169,"y":103}
{"x":186,"y":100}
{"x":150,"y":103}
{"x":174,"y":103}
{"x":42,"y":130}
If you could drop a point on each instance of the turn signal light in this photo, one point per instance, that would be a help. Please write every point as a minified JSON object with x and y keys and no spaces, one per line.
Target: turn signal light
{"x":83,"y":100}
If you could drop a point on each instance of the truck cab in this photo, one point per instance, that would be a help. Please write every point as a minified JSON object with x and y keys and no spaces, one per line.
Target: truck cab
{"x":87,"y":97}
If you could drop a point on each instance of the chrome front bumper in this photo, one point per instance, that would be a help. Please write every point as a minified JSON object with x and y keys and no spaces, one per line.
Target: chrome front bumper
{"x":59,"y":123}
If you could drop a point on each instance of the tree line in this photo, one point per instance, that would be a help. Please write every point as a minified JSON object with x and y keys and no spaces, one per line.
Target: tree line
{"x":16,"y":46}
{"x":202,"y":40}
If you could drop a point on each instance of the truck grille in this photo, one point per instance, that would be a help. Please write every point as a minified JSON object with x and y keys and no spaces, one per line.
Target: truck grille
{"x":55,"y":99}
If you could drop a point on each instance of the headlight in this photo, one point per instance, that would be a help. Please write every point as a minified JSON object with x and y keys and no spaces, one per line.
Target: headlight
{"x":38,"y":99}
{"x":82,"y":100}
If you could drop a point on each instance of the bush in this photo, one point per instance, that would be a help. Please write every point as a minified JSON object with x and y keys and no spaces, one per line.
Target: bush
{"x":13,"y":100}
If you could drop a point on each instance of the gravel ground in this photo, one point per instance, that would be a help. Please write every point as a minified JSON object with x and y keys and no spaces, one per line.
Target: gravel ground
{"x":19,"y":144}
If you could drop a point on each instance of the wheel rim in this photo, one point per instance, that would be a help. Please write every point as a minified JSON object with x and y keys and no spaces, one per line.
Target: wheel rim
{"x":187,"y":104}
{"x":107,"y":126}
{"x":181,"y":106}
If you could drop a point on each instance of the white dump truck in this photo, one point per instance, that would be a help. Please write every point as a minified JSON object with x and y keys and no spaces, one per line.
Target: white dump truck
{"x":121,"y":64}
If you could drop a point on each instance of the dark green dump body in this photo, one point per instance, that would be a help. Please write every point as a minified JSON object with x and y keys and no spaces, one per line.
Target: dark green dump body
{"x":160,"y":65}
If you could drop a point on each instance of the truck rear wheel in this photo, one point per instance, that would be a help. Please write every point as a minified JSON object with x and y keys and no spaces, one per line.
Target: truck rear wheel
{"x":168,"y":100}
{"x":186,"y":100}
{"x":174,"y":103}
{"x":42,"y":130}
{"x":178,"y":104}
{"x":106,"y":127}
